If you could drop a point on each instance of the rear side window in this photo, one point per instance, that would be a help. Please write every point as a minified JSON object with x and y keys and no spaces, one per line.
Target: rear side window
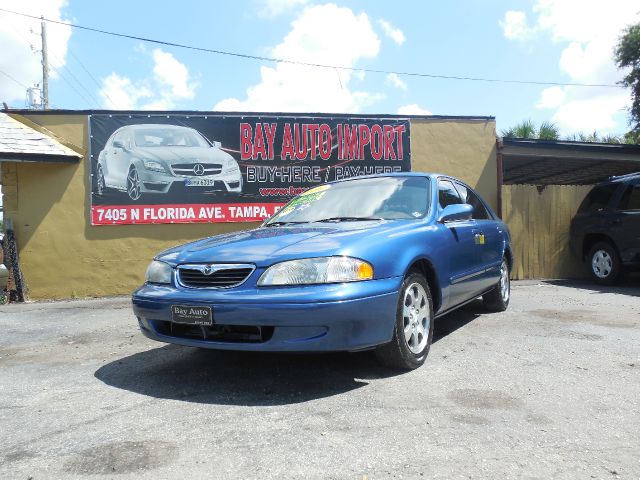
{"x":470,"y":198}
{"x":598,"y":198}
{"x":630,"y":198}
{"x":447,"y":194}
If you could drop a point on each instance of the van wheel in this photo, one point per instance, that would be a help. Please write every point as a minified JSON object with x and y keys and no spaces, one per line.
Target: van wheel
{"x":413,"y":328}
{"x":604,"y":263}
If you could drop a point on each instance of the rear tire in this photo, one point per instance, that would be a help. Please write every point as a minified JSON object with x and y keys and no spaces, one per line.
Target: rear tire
{"x":604,"y":264}
{"x":413,"y":328}
{"x":497,"y":300}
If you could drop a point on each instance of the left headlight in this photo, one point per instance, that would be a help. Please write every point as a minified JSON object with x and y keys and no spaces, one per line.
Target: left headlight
{"x":158,"y":272}
{"x":317,"y":270}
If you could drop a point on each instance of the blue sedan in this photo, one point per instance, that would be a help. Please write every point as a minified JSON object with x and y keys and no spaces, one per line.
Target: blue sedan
{"x":362,"y":263}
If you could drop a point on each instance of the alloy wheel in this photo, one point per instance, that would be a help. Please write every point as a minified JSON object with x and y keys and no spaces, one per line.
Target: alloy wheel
{"x":417,"y":318}
{"x":133,"y":184}
{"x":505,"y":283}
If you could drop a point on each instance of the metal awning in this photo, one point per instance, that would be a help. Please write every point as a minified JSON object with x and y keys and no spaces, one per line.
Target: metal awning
{"x":21,"y":143}
{"x":545,"y":162}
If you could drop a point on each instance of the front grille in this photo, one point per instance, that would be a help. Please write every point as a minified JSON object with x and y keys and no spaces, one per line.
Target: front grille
{"x":221,"y":276}
{"x":187,"y":169}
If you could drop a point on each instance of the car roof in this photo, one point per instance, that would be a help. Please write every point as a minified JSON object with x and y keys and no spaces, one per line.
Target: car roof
{"x":155,"y":125}
{"x":621,"y":178}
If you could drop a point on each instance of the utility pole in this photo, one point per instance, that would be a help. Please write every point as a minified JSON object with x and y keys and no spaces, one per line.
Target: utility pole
{"x":45,"y":66}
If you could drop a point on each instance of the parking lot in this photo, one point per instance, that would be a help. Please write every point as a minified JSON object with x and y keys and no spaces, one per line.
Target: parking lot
{"x":548,"y":389}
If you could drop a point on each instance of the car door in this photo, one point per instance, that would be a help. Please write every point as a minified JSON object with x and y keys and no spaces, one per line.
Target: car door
{"x":489,"y":238}
{"x":624,"y":225}
{"x":461,"y":235}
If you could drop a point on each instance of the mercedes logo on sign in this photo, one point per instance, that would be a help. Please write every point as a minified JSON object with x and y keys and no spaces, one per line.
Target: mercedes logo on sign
{"x":198,"y":169}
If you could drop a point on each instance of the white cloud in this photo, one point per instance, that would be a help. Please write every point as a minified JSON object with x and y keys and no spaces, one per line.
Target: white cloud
{"x":323,"y":34}
{"x":169,"y":84}
{"x":273,"y":8}
{"x":514,"y":26}
{"x":588,"y":31}
{"x":413,"y":109}
{"x":16,"y":37}
{"x":551,"y":97}
{"x":596,"y":113}
{"x":392,"y":32}
{"x":173,"y":74}
{"x":395,"y":80}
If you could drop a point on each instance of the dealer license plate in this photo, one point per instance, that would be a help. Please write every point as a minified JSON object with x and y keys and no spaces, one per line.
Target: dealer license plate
{"x":199,"y":182}
{"x":192,"y":315}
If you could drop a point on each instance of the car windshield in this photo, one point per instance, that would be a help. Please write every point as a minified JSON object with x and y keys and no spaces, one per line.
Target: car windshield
{"x":169,"y":137}
{"x":383,"y":198}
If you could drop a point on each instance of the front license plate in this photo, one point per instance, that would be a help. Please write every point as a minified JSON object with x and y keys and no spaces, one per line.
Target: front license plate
{"x":199,"y":182}
{"x":192,"y":315}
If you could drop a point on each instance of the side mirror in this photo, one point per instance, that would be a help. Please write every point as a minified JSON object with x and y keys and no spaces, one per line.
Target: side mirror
{"x":118,"y":144}
{"x":217,"y":144}
{"x":457,"y":212}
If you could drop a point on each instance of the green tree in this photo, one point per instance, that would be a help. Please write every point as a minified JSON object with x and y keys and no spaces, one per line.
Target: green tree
{"x":627,"y":55}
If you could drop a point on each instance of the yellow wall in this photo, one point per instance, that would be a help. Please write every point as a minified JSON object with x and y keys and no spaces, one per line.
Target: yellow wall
{"x":539,"y":225}
{"x":63,"y":256}
{"x":465,"y":149}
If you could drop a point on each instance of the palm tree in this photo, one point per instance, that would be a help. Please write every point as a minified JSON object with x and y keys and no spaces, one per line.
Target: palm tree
{"x":525,"y":129}
{"x":548,"y":131}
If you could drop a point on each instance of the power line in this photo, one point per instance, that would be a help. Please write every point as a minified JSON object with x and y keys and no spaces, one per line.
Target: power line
{"x":11,"y":78}
{"x":80,"y":94}
{"x":316,"y":65}
{"x":90,"y":75}
{"x":92,"y":97}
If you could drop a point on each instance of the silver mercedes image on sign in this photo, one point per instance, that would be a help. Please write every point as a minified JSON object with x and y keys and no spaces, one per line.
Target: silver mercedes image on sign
{"x":154,"y":158}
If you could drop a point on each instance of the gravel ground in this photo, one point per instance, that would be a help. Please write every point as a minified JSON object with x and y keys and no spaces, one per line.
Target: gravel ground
{"x":548,"y":389}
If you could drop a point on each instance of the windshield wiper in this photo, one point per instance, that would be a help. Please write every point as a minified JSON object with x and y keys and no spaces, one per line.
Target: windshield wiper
{"x":279,"y":224}
{"x":349,"y":219}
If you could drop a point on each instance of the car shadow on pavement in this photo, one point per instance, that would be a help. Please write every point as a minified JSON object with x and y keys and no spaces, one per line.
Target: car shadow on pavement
{"x":240,"y":378}
{"x":628,"y":285}
{"x":253,"y":379}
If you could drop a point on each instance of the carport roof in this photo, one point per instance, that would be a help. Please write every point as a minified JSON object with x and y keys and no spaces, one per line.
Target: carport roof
{"x":547,"y":162}
{"x":21,"y":143}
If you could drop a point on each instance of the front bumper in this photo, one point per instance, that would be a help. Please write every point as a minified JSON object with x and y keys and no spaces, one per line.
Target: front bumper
{"x":157,"y":182}
{"x":315,"y":318}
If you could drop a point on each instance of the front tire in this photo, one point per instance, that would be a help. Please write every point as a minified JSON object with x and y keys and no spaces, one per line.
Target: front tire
{"x":413,"y":328}
{"x":133,"y":184}
{"x":497,"y":300}
{"x":604,"y":263}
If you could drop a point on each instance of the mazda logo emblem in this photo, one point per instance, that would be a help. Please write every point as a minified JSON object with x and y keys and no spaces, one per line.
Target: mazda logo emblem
{"x":208,"y":270}
{"x":198,"y":169}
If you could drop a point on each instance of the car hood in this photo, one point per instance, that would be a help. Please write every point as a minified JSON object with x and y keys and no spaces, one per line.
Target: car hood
{"x":173,"y":155}
{"x":266,"y":246}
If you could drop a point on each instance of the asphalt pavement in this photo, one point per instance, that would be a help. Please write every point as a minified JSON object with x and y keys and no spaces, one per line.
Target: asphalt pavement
{"x":548,"y":389}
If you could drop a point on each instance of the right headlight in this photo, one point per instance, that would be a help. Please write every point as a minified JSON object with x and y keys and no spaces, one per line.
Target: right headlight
{"x":153,"y":165}
{"x":308,"y":271}
{"x":158,"y":272}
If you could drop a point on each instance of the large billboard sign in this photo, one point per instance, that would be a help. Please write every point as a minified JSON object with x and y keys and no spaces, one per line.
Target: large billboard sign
{"x":182,"y":168}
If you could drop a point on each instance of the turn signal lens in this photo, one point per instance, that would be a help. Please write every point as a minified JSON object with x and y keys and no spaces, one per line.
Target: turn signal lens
{"x":365,"y":271}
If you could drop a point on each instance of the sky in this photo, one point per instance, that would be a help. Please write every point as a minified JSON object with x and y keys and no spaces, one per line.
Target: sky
{"x":550,"y":41}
